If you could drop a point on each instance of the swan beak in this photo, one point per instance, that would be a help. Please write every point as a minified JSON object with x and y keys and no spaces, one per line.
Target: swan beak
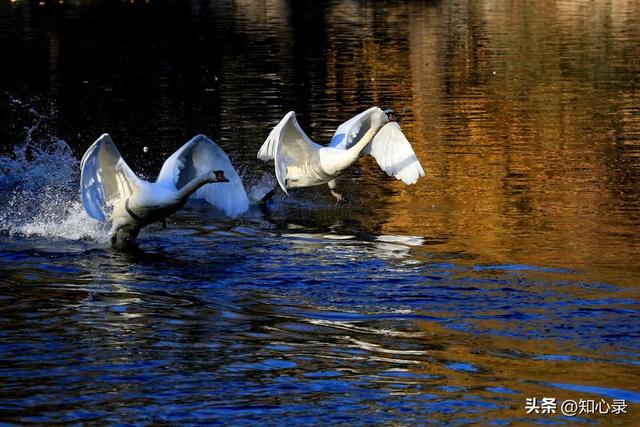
{"x":393,"y":117}
{"x":220,"y":176}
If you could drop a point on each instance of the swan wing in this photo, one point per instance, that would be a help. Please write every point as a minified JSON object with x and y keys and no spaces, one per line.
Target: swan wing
{"x":288,"y":145}
{"x":394,"y":154}
{"x":105,"y":177}
{"x":199,"y":156}
{"x":351,"y":131}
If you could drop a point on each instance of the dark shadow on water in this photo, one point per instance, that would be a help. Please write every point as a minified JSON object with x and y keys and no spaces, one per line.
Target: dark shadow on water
{"x":448,"y":302}
{"x":133,"y":253}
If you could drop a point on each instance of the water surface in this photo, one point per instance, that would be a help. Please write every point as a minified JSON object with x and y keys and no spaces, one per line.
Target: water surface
{"x":510,"y":271}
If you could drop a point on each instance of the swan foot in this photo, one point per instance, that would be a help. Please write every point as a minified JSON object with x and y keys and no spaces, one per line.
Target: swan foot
{"x":332,"y":186}
{"x":338,"y":196}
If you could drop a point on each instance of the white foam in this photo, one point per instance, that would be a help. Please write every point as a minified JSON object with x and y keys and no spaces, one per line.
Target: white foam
{"x":72,"y":224}
{"x":39,"y":193}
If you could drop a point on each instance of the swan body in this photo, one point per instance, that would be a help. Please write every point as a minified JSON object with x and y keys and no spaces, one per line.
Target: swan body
{"x":199,"y":169}
{"x":300,"y":162}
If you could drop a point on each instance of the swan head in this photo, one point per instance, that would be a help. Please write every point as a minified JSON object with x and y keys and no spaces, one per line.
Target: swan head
{"x":217,"y":176}
{"x":391,"y":115}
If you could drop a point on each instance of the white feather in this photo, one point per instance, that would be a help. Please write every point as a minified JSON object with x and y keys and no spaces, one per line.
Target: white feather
{"x":199,"y":156}
{"x":293,"y":152}
{"x":300,"y":162}
{"x":394,"y":154}
{"x":105,"y":177}
{"x":189,"y":172}
{"x":350,"y":132}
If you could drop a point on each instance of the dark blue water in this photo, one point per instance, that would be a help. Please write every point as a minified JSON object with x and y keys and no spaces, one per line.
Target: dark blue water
{"x":229,"y":322}
{"x":509,"y":272}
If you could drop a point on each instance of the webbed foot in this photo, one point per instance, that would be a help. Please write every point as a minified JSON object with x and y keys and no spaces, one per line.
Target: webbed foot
{"x":338,"y":196}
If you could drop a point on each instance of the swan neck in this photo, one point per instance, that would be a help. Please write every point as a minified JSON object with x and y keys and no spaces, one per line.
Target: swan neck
{"x":365,"y":140}
{"x":193,"y":185}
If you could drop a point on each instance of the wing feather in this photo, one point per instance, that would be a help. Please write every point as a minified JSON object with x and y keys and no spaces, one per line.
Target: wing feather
{"x":351,"y":131}
{"x":394,"y":154}
{"x":288,"y":145}
{"x":105,"y":177}
{"x":199,"y":156}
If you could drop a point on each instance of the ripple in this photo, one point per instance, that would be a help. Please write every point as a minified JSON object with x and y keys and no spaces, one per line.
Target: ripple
{"x":508,"y":271}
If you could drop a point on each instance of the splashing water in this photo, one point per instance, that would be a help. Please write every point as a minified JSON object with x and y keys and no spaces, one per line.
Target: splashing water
{"x":35,"y":165}
{"x":261,"y":187}
{"x":39,"y":189}
{"x":258,"y":188}
{"x":67,"y":220}
{"x":38,"y":192}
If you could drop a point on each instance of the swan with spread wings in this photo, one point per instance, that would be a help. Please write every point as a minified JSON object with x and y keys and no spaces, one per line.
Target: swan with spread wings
{"x":199,"y":169}
{"x":300,"y":162}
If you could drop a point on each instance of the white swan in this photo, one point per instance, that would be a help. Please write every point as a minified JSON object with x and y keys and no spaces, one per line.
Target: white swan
{"x":107,"y":180}
{"x":300,"y":162}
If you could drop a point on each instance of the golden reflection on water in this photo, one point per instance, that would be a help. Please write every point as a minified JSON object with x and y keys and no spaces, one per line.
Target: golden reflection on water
{"x":507,"y":363}
{"x":526,"y":119}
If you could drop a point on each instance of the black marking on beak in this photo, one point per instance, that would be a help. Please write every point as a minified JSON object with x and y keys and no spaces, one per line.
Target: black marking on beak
{"x":393,"y":117}
{"x":220,"y":176}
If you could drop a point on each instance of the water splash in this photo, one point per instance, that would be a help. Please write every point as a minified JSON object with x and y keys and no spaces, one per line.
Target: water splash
{"x":39,"y":191}
{"x":35,"y":165}
{"x":67,"y":220}
{"x":260,"y":188}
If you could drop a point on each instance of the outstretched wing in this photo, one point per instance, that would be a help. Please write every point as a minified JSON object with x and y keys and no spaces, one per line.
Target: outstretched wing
{"x":105,"y":177}
{"x":288,"y":145}
{"x":199,"y":156}
{"x":351,"y":131}
{"x":394,"y":154}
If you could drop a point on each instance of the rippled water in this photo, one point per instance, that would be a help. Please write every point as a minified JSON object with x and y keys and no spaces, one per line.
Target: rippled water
{"x":510,"y":271}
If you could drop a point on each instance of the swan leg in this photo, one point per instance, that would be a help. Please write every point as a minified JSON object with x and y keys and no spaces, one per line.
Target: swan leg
{"x":113,"y":235}
{"x":332,"y":186}
{"x":164,"y":223}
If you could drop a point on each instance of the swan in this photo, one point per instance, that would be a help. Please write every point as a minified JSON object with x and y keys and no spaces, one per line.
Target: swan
{"x":192,"y":171}
{"x":300,"y":162}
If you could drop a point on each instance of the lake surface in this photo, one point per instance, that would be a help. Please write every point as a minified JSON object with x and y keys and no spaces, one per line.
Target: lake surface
{"x":510,"y":271}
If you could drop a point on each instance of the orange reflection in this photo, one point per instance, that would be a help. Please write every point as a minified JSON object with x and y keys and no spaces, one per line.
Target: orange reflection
{"x":525,"y":119}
